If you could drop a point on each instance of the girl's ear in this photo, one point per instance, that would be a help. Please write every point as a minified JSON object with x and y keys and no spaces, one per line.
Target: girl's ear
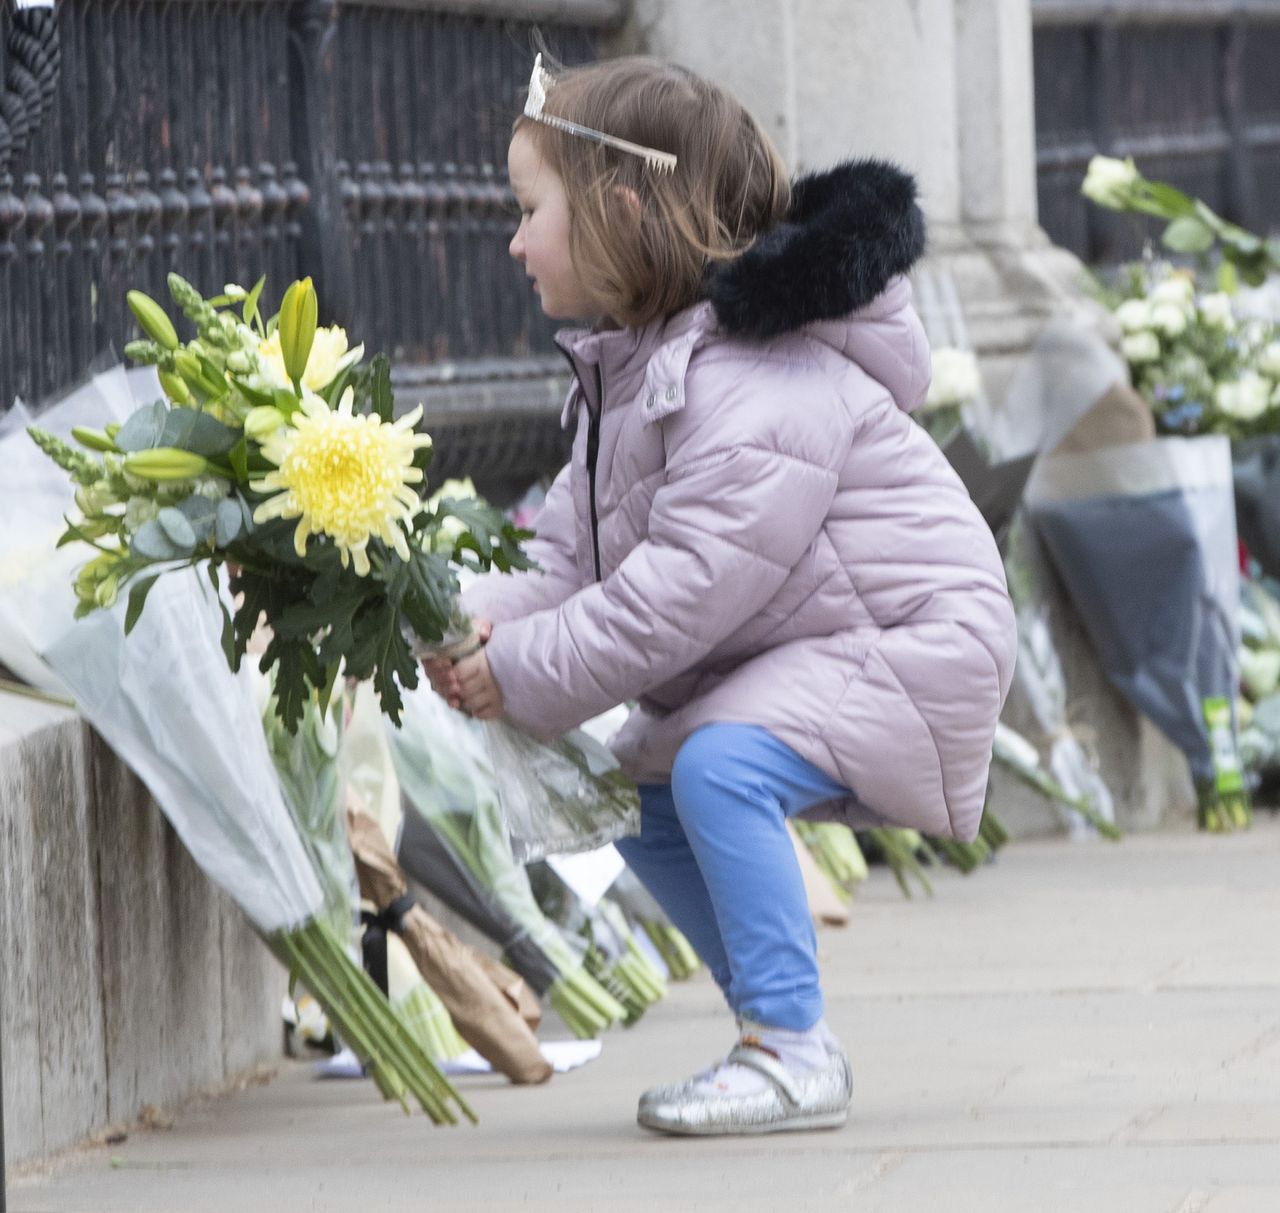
{"x":630,"y":200}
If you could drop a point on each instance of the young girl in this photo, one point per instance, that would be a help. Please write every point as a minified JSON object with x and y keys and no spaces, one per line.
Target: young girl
{"x":752,"y":540}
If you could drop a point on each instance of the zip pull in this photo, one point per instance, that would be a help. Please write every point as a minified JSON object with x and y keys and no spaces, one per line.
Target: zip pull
{"x":593,"y":454}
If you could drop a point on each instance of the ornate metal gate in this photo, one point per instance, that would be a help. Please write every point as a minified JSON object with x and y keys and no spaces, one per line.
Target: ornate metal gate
{"x":1189,"y":88}
{"x":359,"y":141}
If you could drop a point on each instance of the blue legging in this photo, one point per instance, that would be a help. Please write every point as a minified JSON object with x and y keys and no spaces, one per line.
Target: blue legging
{"x":714,"y":850}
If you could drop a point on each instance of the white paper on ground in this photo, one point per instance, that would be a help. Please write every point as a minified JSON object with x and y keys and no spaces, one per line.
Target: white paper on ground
{"x":343,"y":1064}
{"x":562,"y":1054}
{"x":588,"y":873}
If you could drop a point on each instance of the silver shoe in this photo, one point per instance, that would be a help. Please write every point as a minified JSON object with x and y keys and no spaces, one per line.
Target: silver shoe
{"x":817,"y":1099}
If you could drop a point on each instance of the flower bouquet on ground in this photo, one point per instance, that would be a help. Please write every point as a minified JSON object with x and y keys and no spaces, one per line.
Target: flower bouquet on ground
{"x":835,"y":850}
{"x":455,"y":841}
{"x":490,"y":1006}
{"x":275,"y":458}
{"x":613,"y":957}
{"x":645,"y":914}
{"x":1143,"y":536}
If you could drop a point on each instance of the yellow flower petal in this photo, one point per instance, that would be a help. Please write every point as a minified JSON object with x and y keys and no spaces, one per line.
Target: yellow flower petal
{"x":343,"y":475}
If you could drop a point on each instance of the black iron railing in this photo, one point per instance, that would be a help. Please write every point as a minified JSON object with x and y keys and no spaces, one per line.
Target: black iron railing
{"x":362,"y":143}
{"x":1189,"y":88}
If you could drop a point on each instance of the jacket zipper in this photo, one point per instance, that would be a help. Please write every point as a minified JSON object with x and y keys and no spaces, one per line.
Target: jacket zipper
{"x":593,"y":453}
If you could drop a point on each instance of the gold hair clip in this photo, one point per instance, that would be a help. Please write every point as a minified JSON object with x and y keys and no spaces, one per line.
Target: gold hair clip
{"x":541,"y":81}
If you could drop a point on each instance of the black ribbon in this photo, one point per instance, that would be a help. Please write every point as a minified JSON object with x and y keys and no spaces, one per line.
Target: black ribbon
{"x":376,"y":926}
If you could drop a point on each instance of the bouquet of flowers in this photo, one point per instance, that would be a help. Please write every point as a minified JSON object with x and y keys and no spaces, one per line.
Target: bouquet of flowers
{"x":1202,"y":366}
{"x":613,"y":957}
{"x":455,"y":841}
{"x":276,"y":455}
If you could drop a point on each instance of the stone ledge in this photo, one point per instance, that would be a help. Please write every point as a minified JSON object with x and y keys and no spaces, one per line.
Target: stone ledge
{"x":128,"y":978}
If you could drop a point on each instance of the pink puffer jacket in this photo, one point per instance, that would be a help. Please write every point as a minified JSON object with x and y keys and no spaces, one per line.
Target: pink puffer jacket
{"x":752,"y":529}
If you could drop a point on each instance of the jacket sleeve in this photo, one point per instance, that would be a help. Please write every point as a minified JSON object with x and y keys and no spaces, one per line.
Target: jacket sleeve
{"x":503,"y":596}
{"x":724,"y":531}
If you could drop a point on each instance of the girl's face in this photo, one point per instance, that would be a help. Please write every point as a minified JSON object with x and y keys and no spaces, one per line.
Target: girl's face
{"x":541,"y":243}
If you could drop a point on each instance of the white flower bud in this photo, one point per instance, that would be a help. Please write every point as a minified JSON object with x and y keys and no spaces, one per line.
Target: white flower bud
{"x":1244,"y":399}
{"x":1134,"y":315}
{"x":1110,"y":182}
{"x":1177,"y":289}
{"x":955,"y":378}
{"x":1169,"y":319}
{"x":1215,"y":311}
{"x":1269,"y":360}
{"x":1139,"y":348}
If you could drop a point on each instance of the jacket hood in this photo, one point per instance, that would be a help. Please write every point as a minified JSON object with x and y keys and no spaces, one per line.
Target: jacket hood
{"x":848,"y":233}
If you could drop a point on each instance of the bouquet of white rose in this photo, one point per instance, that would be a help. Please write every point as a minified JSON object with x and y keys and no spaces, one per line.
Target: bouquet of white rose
{"x":1202,"y":365}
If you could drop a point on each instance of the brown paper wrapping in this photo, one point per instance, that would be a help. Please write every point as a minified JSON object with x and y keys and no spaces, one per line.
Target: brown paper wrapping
{"x":1117,"y":417}
{"x":493,"y":1009}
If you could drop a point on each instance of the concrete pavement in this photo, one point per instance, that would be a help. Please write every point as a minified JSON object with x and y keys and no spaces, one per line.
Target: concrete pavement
{"x":1078,"y":1027}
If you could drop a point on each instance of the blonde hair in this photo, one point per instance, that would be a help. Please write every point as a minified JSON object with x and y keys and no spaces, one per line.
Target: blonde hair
{"x":730,"y":184}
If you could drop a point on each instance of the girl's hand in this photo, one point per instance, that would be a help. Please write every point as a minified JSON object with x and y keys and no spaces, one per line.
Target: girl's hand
{"x":443,"y":674}
{"x":480,"y":695}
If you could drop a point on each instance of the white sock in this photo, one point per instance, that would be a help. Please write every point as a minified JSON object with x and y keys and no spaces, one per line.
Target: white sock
{"x":799,"y":1053}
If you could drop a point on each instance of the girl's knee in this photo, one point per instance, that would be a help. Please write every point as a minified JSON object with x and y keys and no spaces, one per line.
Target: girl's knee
{"x":712,"y":752}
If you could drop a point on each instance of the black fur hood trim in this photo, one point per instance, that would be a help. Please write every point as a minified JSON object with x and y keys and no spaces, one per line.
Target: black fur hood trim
{"x":848,"y":232}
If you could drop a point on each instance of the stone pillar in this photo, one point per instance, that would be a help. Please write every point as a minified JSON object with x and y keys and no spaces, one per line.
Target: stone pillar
{"x":944,"y":88}
{"x":995,"y":120}
{"x":828,"y":79}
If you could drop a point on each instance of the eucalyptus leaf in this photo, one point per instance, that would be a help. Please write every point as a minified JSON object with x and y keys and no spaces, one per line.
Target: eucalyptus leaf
{"x":177,"y":529}
{"x":200,"y":512}
{"x":143,"y":429}
{"x":151,"y":543}
{"x":228,"y":521}
{"x":190,"y":430}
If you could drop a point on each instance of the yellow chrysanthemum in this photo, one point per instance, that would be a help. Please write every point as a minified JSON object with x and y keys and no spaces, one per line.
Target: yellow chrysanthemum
{"x":346,"y":475}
